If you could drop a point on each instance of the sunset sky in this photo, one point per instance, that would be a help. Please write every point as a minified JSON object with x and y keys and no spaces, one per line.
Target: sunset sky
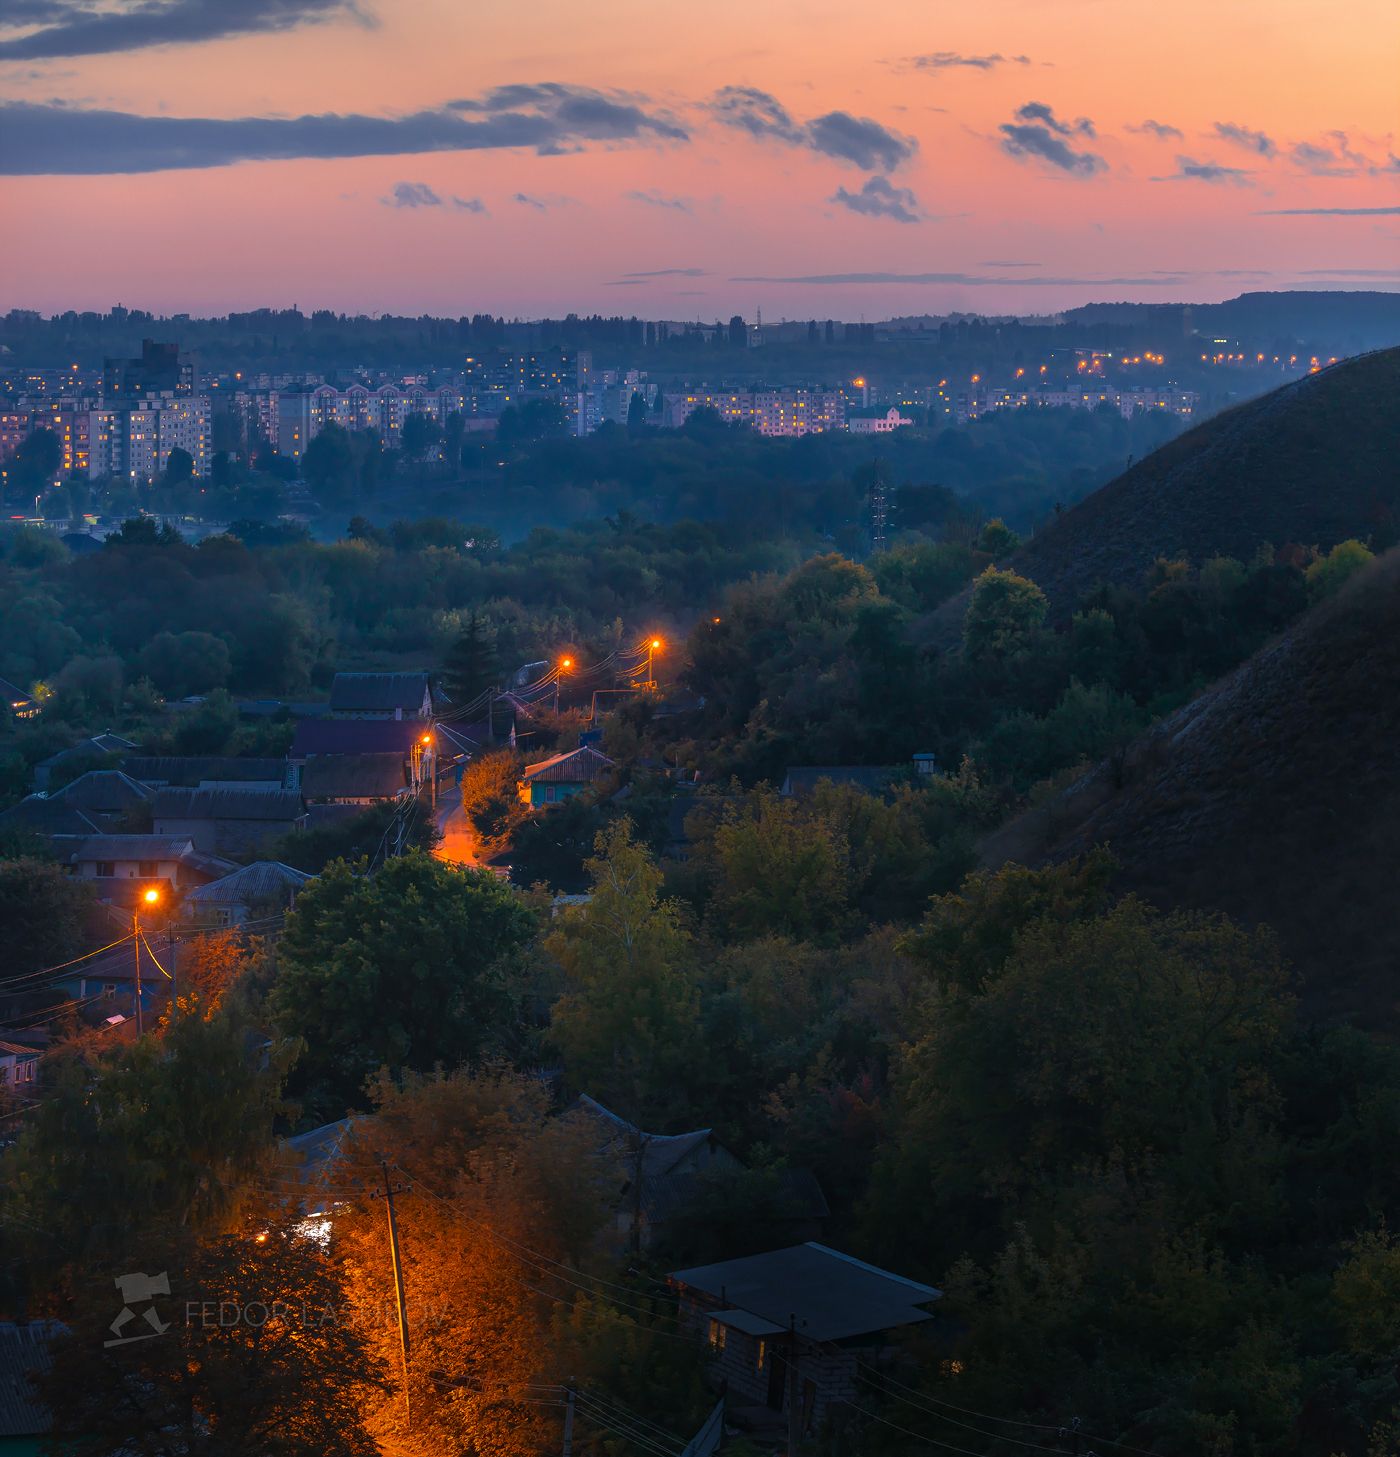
{"x":641,"y":156}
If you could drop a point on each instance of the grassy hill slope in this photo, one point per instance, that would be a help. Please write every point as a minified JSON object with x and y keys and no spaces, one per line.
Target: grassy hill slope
{"x":1275,"y":796}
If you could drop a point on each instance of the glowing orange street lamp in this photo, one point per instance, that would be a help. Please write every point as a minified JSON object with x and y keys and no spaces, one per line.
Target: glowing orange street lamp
{"x":653,"y":647}
{"x":151,"y":897}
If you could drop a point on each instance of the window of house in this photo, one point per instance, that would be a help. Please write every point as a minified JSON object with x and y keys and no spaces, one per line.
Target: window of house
{"x":109,"y":988}
{"x":146,"y":869}
{"x":105,"y":867}
{"x":762,"y":1362}
{"x":717,"y":1335}
{"x":29,"y":1071}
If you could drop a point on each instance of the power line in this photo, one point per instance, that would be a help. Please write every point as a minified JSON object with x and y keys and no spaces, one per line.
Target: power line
{"x":62,"y":965}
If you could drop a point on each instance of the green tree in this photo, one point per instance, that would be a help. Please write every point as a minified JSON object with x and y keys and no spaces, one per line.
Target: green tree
{"x":259,"y":1356}
{"x":179,"y":467}
{"x":1005,"y":612}
{"x":329,"y":464}
{"x":184,"y":663}
{"x":472,"y":663}
{"x":627,"y":1020}
{"x":997,"y":539}
{"x":42,"y":910}
{"x":36,"y":461}
{"x":1327,"y":574}
{"x":404,"y":968}
{"x":778,"y":869}
{"x":420,"y":433}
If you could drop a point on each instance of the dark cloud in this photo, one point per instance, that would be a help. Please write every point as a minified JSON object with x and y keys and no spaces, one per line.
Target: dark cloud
{"x":1329,"y":212}
{"x":837,"y":134}
{"x":1188,"y":169}
{"x":952,"y":60}
{"x":970,"y":279}
{"x":668,"y":273}
{"x":86,"y":28}
{"x":1038,"y":132}
{"x":412,"y":194}
{"x":45,"y":139}
{"x":1160,"y":129}
{"x":657,"y":199}
{"x":880,"y":198}
{"x":1246,"y":137}
{"x":469,"y":204}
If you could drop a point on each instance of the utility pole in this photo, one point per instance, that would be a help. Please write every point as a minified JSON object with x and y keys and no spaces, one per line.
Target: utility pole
{"x":794,"y":1420}
{"x":399,"y":1298}
{"x":879,"y":510}
{"x":174,"y":982}
{"x":136,"y":946}
{"x":569,"y":1420}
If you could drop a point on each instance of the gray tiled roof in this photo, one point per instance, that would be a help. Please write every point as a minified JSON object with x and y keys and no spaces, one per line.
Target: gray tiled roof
{"x":378,"y":692}
{"x":24,"y":1351}
{"x":226,"y":804}
{"x":103,"y":791}
{"x":353,"y":776}
{"x":833,"y":1296}
{"x":263,"y":880}
{"x":355,"y":736}
{"x":189,"y":771}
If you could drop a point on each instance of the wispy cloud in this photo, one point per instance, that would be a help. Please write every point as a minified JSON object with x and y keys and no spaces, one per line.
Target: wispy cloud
{"x":1188,"y":169}
{"x":1162,"y":130}
{"x":651,"y":198}
{"x":545,"y":202}
{"x":971,"y":280}
{"x":836,"y":134}
{"x":469,"y":204}
{"x":1037,"y":132}
{"x":56,"y":28}
{"x":668,"y":273}
{"x":1329,"y":212}
{"x":47,"y":139}
{"x":1242,"y":136}
{"x":1006,"y":263}
{"x":1334,"y":156}
{"x":880,"y":198}
{"x":956,"y":60}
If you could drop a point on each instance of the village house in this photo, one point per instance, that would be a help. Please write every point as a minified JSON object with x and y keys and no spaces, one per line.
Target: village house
{"x":412,"y":740}
{"x":263,"y":889}
{"x":89,"y":754}
{"x":360,"y":779}
{"x":207,"y":771}
{"x":381,"y":695}
{"x":14,"y":700}
{"x":121,"y":867}
{"x":19,"y":1069}
{"x":227,"y":821}
{"x":108,"y":797}
{"x":796,"y":1323}
{"x":662,"y":1177}
{"x":553,"y":780}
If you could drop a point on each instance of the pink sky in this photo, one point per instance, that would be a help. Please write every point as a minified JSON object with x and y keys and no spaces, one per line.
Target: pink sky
{"x":844,"y":154}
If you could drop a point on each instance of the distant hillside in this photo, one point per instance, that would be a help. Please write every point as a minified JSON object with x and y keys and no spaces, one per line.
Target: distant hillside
{"x":1314,"y":462}
{"x":1274,"y":796}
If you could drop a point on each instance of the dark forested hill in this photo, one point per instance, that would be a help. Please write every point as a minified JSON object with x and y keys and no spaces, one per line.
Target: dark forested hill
{"x":1314,"y":462}
{"x":1275,"y":796}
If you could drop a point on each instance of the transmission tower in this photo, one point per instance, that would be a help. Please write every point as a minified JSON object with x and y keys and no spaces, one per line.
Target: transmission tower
{"x":879,"y":511}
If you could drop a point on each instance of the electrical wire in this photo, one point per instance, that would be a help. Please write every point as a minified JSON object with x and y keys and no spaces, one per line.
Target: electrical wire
{"x":62,"y":965}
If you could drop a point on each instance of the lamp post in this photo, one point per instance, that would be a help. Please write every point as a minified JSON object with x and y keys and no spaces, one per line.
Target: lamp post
{"x":653,"y":647}
{"x":151,"y":897}
{"x":564,"y":665}
{"x":427,"y":758}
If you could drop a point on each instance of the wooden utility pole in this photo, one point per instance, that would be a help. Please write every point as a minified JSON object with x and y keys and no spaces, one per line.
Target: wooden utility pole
{"x":794,"y":1419}
{"x":136,"y":945}
{"x":569,"y":1420}
{"x":399,"y":1299}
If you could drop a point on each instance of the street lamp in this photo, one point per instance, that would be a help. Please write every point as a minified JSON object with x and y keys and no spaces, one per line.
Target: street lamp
{"x":564,"y":665}
{"x":421,"y":751}
{"x":151,"y":897}
{"x":653,"y":647}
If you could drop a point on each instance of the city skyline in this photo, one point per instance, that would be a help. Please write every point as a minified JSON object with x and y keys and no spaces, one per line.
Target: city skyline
{"x":177,"y":156}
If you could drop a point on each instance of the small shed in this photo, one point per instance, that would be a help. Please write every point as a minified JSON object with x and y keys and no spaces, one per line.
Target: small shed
{"x":797,"y":1321}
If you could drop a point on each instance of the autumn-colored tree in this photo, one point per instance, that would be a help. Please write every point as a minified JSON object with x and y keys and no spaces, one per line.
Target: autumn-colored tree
{"x":1005,"y":612}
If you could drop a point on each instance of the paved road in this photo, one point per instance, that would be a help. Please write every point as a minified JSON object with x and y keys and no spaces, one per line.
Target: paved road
{"x":459,"y":839}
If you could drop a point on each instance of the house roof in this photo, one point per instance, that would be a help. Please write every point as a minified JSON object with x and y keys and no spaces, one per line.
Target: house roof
{"x":24,"y":1352}
{"x":833,"y":1296}
{"x":378,"y":692}
{"x":354,"y":736}
{"x":574,"y":767}
{"x":103,"y":743}
{"x":873,"y":778}
{"x":353,"y":776}
{"x":263,"y":880}
{"x":103,"y":791}
{"x":123,"y":847}
{"x":661,"y":1152}
{"x":190,"y":771}
{"x":282,"y":805}
{"x":45,"y":816}
{"x":319,"y":1149}
{"x":14,"y":1049}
